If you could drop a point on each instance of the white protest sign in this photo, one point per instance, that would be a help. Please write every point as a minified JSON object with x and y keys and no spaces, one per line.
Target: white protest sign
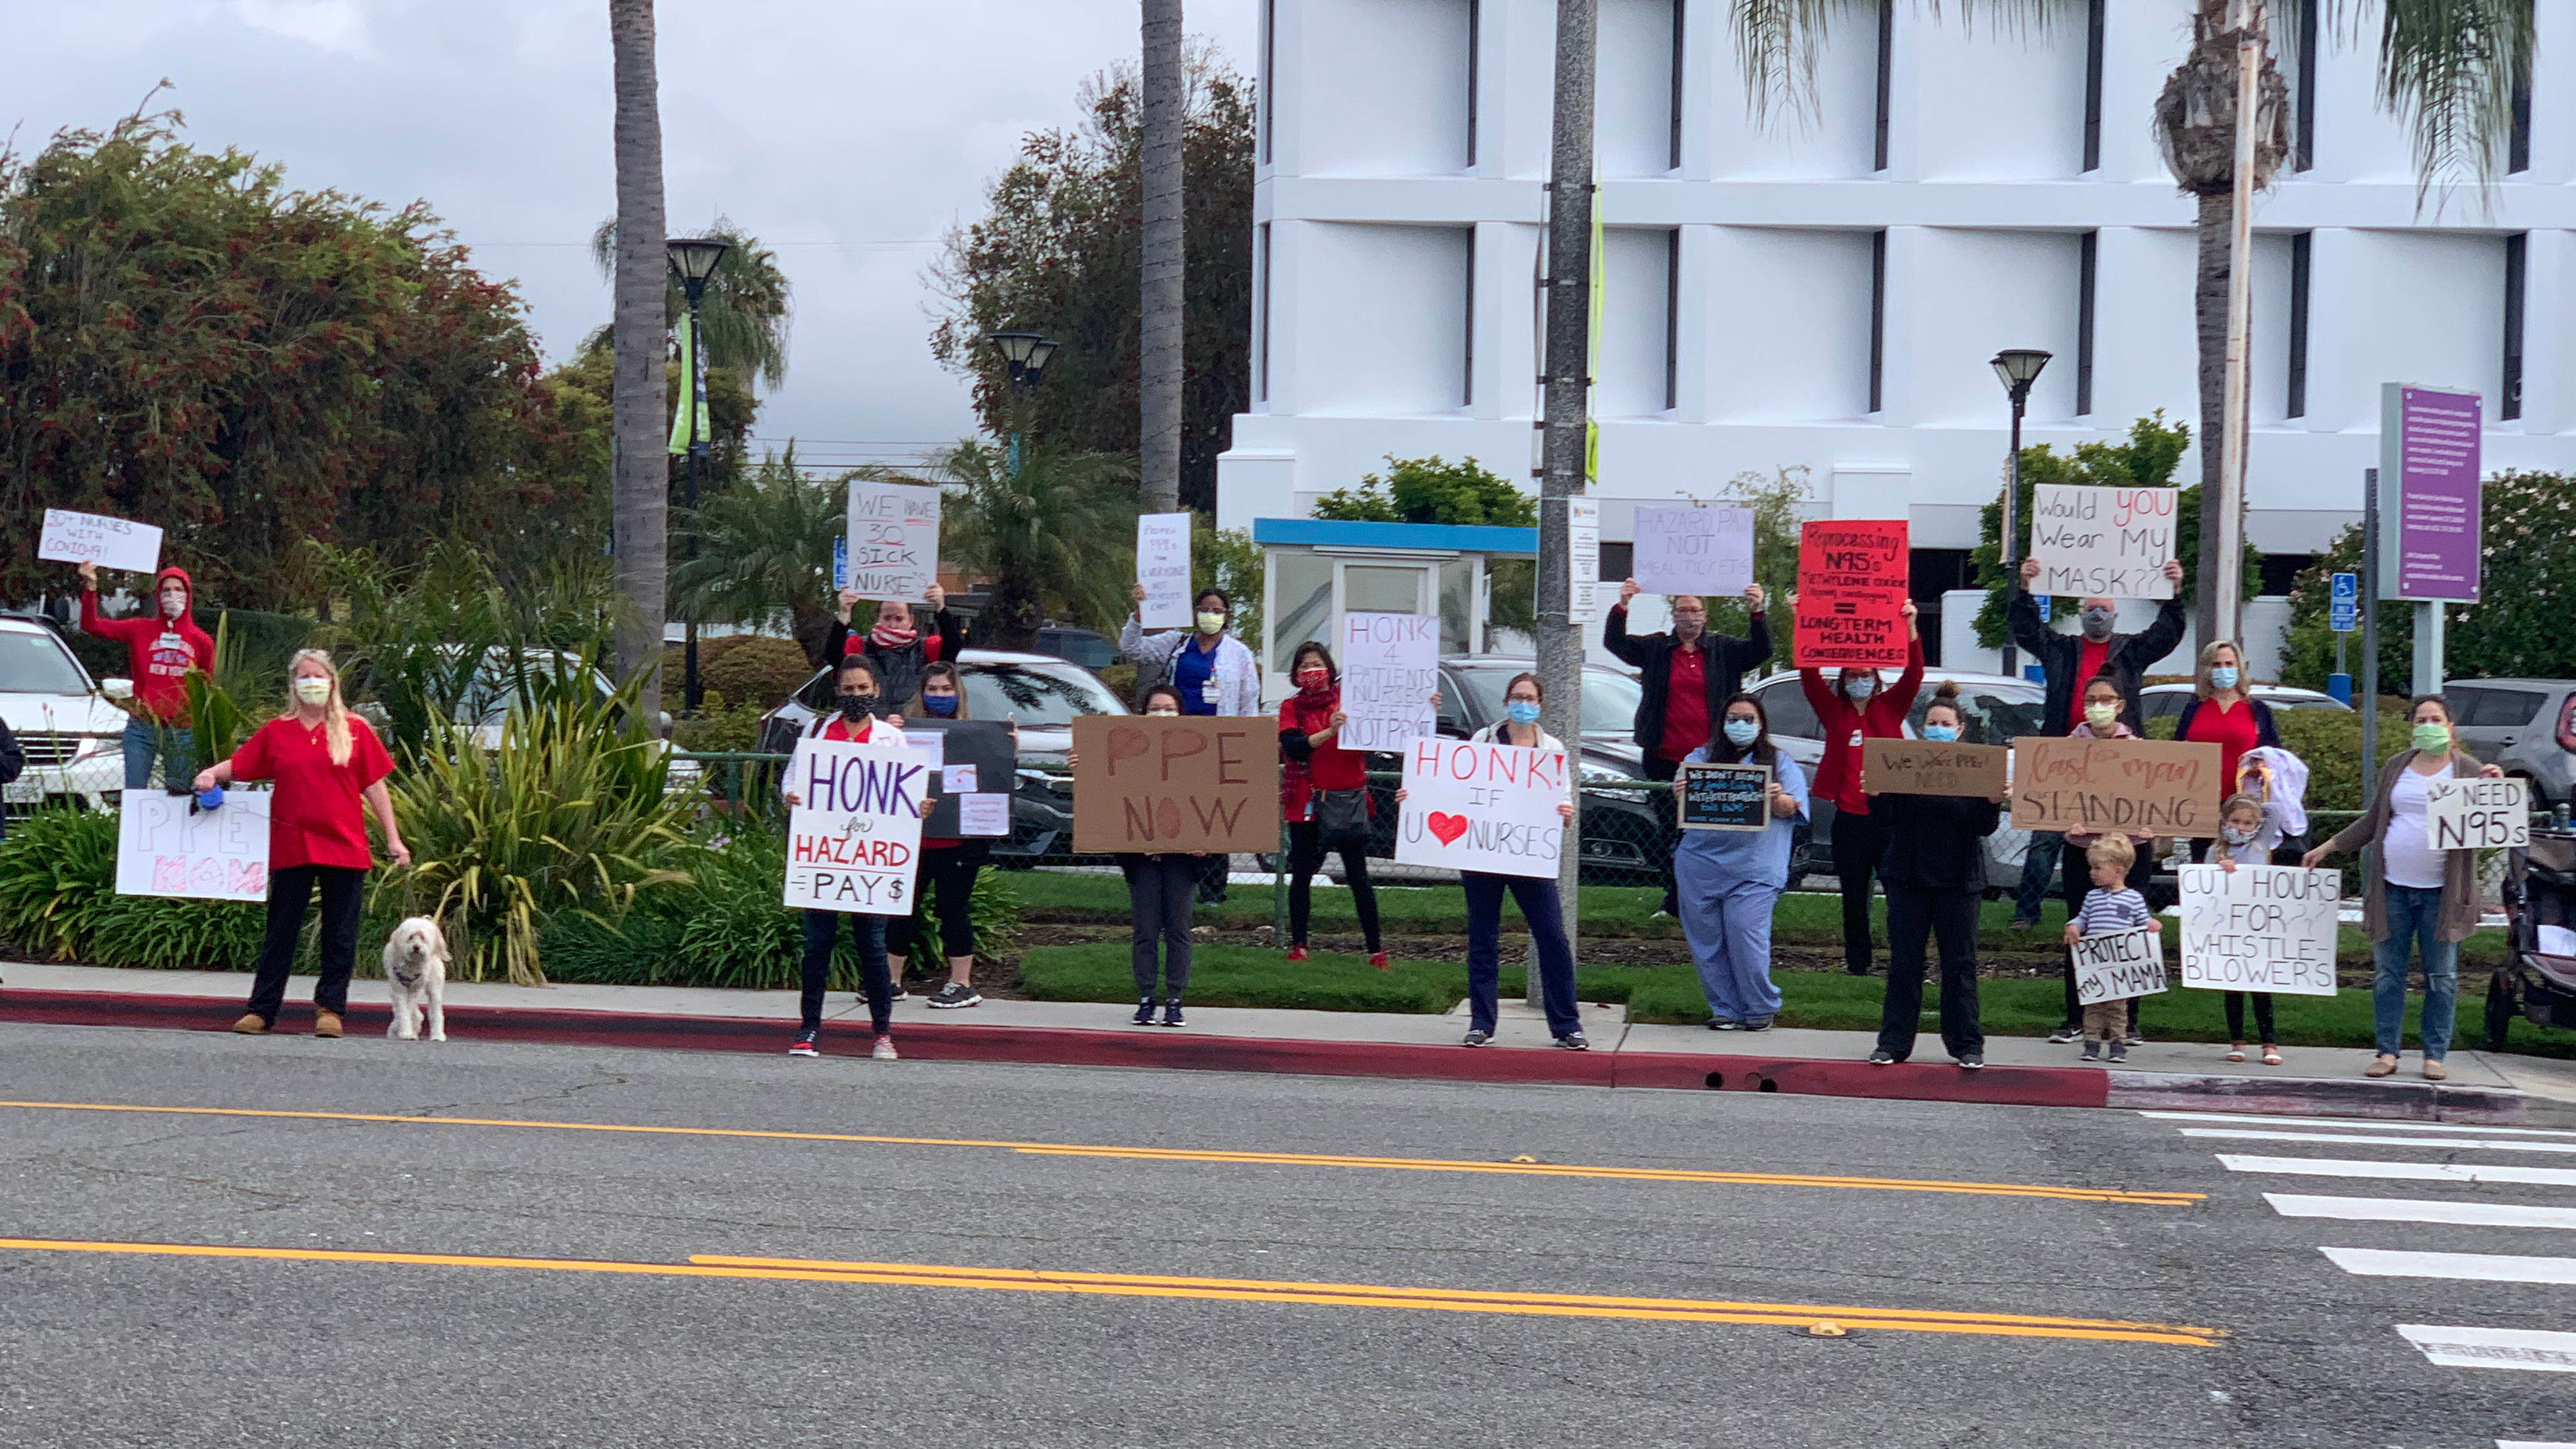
{"x":985,"y":812}
{"x":2259,"y":928}
{"x":1704,"y":551}
{"x":1583,"y":560}
{"x":2110,"y":543}
{"x":854,"y":835}
{"x":1482,"y":807}
{"x":1390,"y":669}
{"x":1163,"y":567}
{"x":894,"y":540}
{"x":2478,"y":814}
{"x":2119,"y":965}
{"x":164,"y":848}
{"x":110,"y":543}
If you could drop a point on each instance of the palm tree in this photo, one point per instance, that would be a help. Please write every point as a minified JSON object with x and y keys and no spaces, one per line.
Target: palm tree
{"x":1050,"y":534}
{"x":1160,"y":316}
{"x":641,"y":484}
{"x":743,"y":318}
{"x":764,"y":548}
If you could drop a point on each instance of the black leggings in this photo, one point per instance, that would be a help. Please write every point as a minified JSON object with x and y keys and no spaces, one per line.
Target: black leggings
{"x":2262,"y":1015}
{"x":1857,"y":847}
{"x":947,"y":881}
{"x":290,"y":893}
{"x":1305,"y":857}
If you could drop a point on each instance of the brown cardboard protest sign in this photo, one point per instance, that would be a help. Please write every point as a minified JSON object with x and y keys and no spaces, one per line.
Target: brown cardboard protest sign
{"x":1926,"y":767}
{"x":1178,"y":783}
{"x":2139,"y":787}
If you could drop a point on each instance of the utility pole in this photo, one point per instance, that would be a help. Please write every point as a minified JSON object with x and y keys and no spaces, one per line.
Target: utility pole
{"x":1565,"y":383}
{"x":2227,"y":588}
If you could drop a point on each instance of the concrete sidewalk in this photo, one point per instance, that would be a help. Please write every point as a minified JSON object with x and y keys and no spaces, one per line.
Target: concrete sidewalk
{"x":2021,"y":1070}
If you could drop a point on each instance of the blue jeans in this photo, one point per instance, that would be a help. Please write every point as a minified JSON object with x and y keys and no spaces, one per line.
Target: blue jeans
{"x":175,"y":747}
{"x":1555,"y":963}
{"x":2414,"y":917}
{"x":2038,"y":867}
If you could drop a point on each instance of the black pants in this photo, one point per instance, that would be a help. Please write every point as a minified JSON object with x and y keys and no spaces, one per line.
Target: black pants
{"x":1914,"y":916}
{"x":1659,"y":768}
{"x":1305,"y":857}
{"x":2078,"y":883}
{"x":946,"y":882}
{"x":1857,"y":847}
{"x":870,"y":932}
{"x":2262,"y":1015}
{"x":1159,"y":888}
{"x":289,"y":891}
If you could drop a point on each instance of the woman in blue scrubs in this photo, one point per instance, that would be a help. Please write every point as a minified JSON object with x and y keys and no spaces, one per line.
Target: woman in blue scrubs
{"x":1729,"y":880}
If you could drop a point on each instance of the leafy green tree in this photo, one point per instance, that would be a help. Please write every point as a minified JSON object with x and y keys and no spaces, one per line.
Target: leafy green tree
{"x":1432,"y":490}
{"x":1056,"y":537}
{"x":744,"y":314}
{"x":764,"y":551}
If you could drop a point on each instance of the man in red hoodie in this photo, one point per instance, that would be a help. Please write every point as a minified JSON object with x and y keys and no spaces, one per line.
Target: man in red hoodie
{"x":160,"y":649}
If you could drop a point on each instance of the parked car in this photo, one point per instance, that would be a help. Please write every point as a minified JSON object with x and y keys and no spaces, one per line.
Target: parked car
{"x":2165,"y":701}
{"x":2528,"y":726}
{"x":69,"y":727}
{"x":1078,"y":646}
{"x":1623,"y":830}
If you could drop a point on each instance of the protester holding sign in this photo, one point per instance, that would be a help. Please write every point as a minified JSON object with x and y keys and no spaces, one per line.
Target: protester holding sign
{"x":853,"y":720}
{"x":1683,"y":677}
{"x":1851,"y":710}
{"x":1158,"y":897}
{"x":160,"y":651}
{"x":1934,"y":871}
{"x":2222,"y":712}
{"x":2412,"y":894}
{"x":1730,"y":880}
{"x":1323,"y":795}
{"x":949,"y":864}
{"x":2241,"y":842}
{"x":324,"y":761}
{"x":2101,"y":722}
{"x":1215,"y":674}
{"x":896,"y":649}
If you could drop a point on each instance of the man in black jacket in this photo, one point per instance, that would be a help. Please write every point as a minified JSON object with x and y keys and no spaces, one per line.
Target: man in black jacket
{"x":1710,"y":668}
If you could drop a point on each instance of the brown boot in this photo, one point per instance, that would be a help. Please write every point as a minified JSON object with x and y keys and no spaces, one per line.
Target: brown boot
{"x":326,"y":1023}
{"x":251,"y":1025}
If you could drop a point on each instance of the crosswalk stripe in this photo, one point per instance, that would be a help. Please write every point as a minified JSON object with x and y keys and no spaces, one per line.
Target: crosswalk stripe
{"x":2350,"y":1124}
{"x":2399,"y":1171}
{"x":2496,"y":1348}
{"x":2421,"y":1210}
{"x":2456,"y":1144}
{"x":2464,"y":1267}
{"x":2530,"y":1444}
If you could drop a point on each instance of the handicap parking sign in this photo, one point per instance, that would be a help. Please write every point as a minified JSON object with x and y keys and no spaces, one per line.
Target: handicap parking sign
{"x":2346,"y":602}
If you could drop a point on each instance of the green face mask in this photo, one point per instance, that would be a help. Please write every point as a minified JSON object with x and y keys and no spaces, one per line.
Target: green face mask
{"x":2433,"y":739}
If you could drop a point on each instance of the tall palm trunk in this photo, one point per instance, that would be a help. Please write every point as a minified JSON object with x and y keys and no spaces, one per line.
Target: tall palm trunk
{"x":2209,"y":318}
{"x":641,"y":487}
{"x":1158,"y":382}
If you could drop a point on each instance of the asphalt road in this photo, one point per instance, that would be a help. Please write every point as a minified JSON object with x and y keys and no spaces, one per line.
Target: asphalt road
{"x":536,"y":1284}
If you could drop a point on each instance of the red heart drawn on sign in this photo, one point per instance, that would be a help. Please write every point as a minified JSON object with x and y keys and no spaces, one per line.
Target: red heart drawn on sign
{"x":1447,"y":827}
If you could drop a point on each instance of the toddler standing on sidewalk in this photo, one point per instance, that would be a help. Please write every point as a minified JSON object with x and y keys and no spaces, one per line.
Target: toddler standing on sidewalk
{"x":2110,"y":908}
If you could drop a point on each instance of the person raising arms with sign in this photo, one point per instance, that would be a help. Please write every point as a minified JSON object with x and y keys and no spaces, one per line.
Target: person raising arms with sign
{"x":1684,"y":676}
{"x":897,"y":650}
{"x":1850,"y":710}
{"x":853,"y":719}
{"x":1323,"y":795}
{"x":2413,"y":896}
{"x":1730,"y":880}
{"x":1934,"y":871}
{"x":161,"y":649}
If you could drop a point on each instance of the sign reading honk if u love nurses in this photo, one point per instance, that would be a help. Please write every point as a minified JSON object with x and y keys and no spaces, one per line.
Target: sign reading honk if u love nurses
{"x":1483,"y":807}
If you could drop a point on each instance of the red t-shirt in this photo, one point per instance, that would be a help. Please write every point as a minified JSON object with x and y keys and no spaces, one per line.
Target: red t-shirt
{"x":1685,"y":703}
{"x":314,"y":814}
{"x":1327,"y":767}
{"x":2231,"y":730}
{"x":2089,"y":659}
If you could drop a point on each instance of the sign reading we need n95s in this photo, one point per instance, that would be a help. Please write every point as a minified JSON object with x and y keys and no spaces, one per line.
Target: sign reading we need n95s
{"x":854,"y":834}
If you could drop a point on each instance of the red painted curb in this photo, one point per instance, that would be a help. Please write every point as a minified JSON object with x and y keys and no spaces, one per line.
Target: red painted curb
{"x":1902,"y":1081}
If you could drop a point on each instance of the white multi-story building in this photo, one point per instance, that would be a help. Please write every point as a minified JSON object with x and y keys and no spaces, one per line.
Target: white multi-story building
{"x":1826,"y":289}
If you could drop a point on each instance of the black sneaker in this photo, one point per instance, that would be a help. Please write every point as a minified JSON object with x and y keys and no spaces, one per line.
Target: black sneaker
{"x":2119,"y":1051}
{"x":1757,"y":1023}
{"x":803,"y":1046}
{"x":1172,"y":1013}
{"x":2065,"y":1034}
{"x":1724,"y":1023}
{"x":1574,"y":1041}
{"x":2092,"y":1051}
{"x":1144,"y":1012}
{"x":1882,"y":1058}
{"x":1972,"y":1062}
{"x":956,"y":994}
{"x":1477,"y":1038}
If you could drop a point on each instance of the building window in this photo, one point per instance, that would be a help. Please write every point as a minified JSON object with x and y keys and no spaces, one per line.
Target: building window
{"x":2093,"y":24}
{"x":1467,"y":385}
{"x":1877,"y":321}
{"x":1270,"y":71}
{"x":2302,"y":250}
{"x":2281,"y":571}
{"x":2303,"y":46}
{"x":1672,"y":318}
{"x":1475,"y":29}
{"x":1678,"y":8}
{"x":2517,"y":270}
{"x":2088,"y":263}
{"x":1886,"y":76}
{"x":2517,"y":146}
{"x":1261,"y":309}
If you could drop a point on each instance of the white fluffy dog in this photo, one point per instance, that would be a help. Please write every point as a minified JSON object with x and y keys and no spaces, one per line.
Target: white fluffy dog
{"x":416,"y":978}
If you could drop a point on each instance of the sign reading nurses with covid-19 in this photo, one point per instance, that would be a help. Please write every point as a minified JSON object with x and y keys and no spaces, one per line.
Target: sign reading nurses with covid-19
{"x":1852,"y":575}
{"x":2430,"y":524}
{"x":854,"y":833}
{"x":1482,"y":807}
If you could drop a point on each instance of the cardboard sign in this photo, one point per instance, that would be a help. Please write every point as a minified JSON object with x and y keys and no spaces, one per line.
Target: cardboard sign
{"x":1852,"y":579}
{"x":1163,"y":567}
{"x":110,"y":543}
{"x":894,"y":540}
{"x":1925,"y":767}
{"x":2120,"y":965}
{"x":1482,"y":807}
{"x":1725,"y":797}
{"x":1583,"y":561}
{"x":2110,"y":543}
{"x":1704,"y":551}
{"x":2259,"y":928}
{"x":2478,"y":814}
{"x":1390,"y":669}
{"x":854,"y":835}
{"x":2137,"y":787}
{"x":165,"y":847}
{"x":1178,"y":783}
{"x":969,"y":757}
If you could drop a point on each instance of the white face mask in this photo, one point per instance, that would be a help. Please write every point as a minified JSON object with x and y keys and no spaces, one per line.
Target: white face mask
{"x":2235,"y":836}
{"x":310,"y":690}
{"x":2101,"y":716}
{"x":1160,"y":713}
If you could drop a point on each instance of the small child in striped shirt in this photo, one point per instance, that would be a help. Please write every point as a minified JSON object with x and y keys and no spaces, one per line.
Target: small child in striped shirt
{"x":2109,"y":908}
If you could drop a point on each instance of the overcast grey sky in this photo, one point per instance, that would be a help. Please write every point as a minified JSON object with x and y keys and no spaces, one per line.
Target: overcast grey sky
{"x":847,"y":135}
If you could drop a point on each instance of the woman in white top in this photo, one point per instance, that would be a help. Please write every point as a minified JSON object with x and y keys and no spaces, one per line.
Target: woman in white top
{"x":2412,"y":893}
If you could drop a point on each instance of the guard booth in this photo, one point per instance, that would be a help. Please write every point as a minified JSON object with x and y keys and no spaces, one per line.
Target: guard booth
{"x":1316,"y":570}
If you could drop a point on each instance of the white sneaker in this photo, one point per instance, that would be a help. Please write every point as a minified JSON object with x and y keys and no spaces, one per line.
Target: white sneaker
{"x":885,"y":1049}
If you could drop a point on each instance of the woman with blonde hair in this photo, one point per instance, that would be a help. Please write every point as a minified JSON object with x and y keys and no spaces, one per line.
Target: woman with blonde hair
{"x":2222,"y":711}
{"x":324,"y":762}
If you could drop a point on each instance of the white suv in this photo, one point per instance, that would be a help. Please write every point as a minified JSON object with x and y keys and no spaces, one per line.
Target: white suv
{"x":70,"y":731}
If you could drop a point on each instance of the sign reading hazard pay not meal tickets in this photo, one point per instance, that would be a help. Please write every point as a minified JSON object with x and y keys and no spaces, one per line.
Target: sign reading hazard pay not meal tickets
{"x":1850,"y":608}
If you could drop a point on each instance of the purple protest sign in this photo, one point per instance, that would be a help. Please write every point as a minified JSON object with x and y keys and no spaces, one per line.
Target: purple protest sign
{"x":2429,"y":500}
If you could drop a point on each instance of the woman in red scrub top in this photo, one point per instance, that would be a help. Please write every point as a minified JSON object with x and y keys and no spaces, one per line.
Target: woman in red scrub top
{"x":324,"y":762}
{"x":2224,"y":712}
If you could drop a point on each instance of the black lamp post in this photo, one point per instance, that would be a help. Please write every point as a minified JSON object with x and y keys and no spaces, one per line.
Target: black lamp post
{"x":693,"y":259}
{"x":1025,"y":354}
{"x":2019,"y":367}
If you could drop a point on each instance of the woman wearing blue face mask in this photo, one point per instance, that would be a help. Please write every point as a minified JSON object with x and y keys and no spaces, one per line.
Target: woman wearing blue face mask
{"x":1852,"y":710}
{"x":2224,"y":713}
{"x":2413,"y":896}
{"x":1935,"y":875}
{"x":1728,"y":881}
{"x":946,"y":880}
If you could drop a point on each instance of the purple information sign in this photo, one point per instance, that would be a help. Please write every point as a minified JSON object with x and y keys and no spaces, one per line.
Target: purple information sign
{"x":2429,"y":500}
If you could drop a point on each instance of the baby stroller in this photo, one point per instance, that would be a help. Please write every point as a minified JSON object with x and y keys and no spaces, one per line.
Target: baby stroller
{"x":2539,"y":979}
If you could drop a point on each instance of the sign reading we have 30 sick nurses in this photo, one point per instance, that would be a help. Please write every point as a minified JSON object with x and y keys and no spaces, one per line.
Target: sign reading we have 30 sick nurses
{"x":854,"y":834}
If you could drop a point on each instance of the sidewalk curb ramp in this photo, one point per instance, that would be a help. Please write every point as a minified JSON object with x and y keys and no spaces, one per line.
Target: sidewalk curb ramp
{"x":1108,"y":1047}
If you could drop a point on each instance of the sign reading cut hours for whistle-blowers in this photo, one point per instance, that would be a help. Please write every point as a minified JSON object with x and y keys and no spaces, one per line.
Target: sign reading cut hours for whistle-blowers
{"x":2110,"y":543}
{"x":2259,"y":928}
{"x":1851,"y":594}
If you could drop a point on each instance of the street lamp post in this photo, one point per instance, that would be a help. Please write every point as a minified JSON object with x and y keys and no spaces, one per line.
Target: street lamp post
{"x":1025,"y":354}
{"x":2019,"y":367}
{"x":693,"y":259}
